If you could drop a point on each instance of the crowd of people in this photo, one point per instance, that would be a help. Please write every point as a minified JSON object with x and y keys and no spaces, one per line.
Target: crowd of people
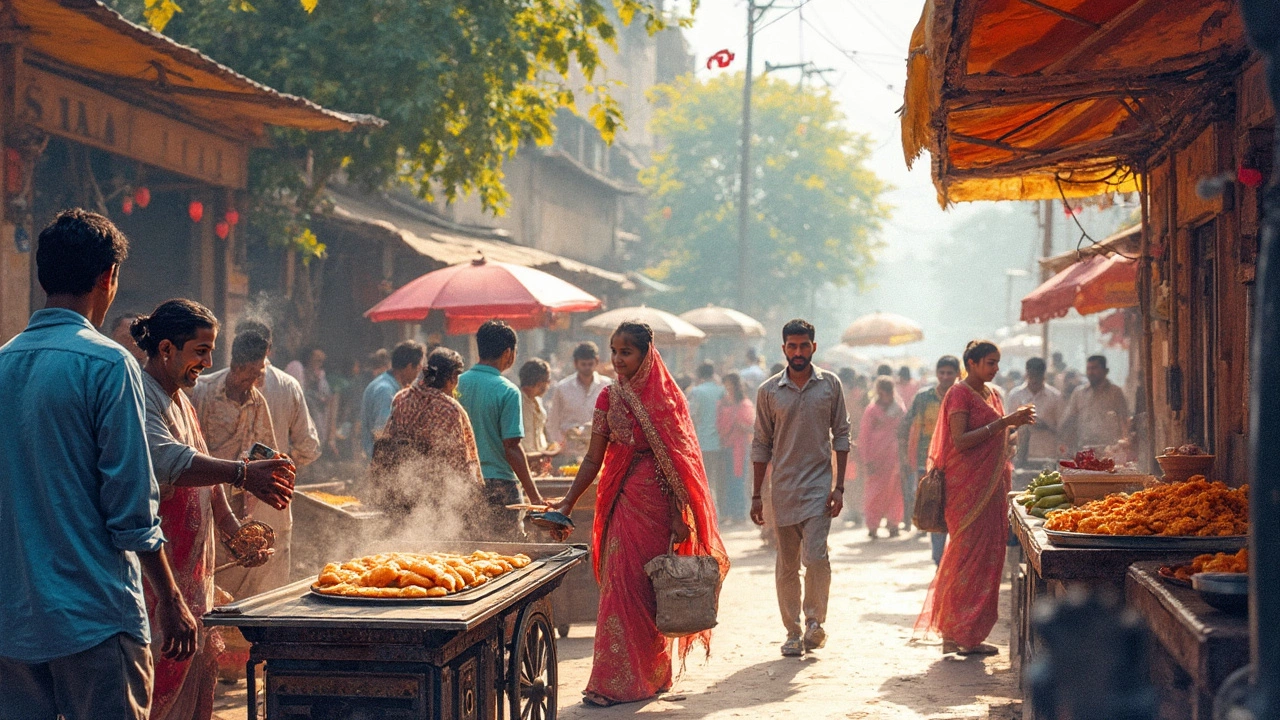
{"x":126,"y":461}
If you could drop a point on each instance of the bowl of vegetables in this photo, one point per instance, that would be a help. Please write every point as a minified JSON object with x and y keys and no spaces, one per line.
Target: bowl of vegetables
{"x":1044,"y":494}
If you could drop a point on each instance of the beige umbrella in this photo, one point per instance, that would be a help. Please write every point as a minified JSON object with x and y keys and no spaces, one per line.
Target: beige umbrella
{"x":667,"y":328}
{"x":715,"y":320}
{"x":882,"y":329}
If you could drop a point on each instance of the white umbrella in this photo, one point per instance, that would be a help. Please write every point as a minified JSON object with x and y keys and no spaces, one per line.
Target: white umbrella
{"x":882,"y":329}
{"x":715,"y":320}
{"x":1025,"y":345}
{"x":667,"y":328}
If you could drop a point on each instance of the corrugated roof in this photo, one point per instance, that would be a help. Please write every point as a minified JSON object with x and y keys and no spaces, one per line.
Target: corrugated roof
{"x":450,"y":244}
{"x":90,"y":40}
{"x":1034,"y":99}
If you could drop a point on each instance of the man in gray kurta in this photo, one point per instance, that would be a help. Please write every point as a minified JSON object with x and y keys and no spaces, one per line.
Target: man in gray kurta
{"x":800,"y":420}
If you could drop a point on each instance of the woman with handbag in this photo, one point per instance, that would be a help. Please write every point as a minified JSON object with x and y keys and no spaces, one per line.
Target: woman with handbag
{"x":653,"y":492}
{"x":971,"y":448}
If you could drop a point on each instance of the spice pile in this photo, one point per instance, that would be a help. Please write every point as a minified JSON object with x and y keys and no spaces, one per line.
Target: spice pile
{"x":1196,"y":507}
{"x":1215,"y":562}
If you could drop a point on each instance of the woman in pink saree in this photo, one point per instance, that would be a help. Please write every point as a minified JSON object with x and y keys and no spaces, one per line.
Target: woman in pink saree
{"x":878,"y":448}
{"x":971,"y":447}
{"x":653,"y":492}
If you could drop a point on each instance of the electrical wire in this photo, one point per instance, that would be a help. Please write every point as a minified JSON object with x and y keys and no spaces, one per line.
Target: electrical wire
{"x":1084,"y":234}
{"x":851,"y":56}
{"x":790,"y":10}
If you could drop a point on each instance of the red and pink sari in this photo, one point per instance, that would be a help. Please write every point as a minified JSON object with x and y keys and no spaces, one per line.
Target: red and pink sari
{"x":963,"y":601}
{"x":652,"y":465}
{"x":878,"y":445}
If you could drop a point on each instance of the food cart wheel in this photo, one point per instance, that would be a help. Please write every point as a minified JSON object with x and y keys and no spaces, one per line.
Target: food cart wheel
{"x":531,"y":676}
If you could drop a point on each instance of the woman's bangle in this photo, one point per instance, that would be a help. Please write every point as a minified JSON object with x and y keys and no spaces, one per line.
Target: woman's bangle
{"x":242,"y":469}
{"x":990,"y":432}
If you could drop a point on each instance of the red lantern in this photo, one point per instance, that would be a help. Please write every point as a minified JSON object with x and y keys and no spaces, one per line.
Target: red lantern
{"x":222,"y":230}
{"x":142,"y":196}
{"x":195,"y":210}
{"x":126,"y":205}
{"x":12,"y":171}
{"x":233,"y":217}
{"x":1249,"y":177}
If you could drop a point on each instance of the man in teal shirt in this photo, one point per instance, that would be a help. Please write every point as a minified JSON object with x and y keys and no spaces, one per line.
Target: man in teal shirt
{"x":704,"y":406}
{"x":78,"y":500}
{"x":493,"y":404}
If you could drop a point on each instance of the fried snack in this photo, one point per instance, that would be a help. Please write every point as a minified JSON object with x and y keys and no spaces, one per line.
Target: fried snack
{"x":414,"y":575}
{"x":334,"y":500}
{"x":1237,"y":562}
{"x":1196,"y":507}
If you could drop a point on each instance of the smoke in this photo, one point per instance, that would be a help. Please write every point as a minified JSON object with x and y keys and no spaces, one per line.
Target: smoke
{"x":428,"y":503}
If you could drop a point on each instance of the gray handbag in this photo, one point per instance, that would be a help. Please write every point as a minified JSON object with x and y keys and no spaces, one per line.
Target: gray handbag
{"x":688,"y":592}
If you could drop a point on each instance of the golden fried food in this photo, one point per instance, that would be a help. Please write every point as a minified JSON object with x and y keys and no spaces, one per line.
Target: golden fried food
{"x":1237,"y":562}
{"x":414,"y":575}
{"x":1196,"y":507}
{"x":334,"y":500}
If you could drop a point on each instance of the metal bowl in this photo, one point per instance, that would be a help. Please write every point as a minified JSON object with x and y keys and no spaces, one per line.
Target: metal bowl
{"x":1229,"y":592}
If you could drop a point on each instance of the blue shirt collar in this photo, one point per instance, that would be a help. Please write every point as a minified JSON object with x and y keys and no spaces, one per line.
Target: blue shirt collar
{"x":491,"y":370}
{"x":49,"y":317}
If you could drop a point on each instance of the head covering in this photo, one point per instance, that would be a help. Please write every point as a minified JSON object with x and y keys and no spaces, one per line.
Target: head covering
{"x":654,"y":400}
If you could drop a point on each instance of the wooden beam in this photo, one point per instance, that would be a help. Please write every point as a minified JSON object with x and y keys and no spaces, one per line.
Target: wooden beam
{"x":1226,"y":59}
{"x":1061,"y":13}
{"x":1118,"y":146}
{"x":1135,"y":13}
{"x":1020,"y":92}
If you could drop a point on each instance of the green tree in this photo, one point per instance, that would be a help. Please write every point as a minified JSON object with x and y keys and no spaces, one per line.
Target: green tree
{"x":815,"y":207}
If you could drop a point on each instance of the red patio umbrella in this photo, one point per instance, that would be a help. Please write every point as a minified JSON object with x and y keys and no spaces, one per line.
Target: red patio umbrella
{"x":1091,"y":285}
{"x":470,"y":293}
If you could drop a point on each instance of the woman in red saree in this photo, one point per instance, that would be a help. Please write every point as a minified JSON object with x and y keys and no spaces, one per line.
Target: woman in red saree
{"x":653,"y":491}
{"x":878,"y":448}
{"x":971,"y":447}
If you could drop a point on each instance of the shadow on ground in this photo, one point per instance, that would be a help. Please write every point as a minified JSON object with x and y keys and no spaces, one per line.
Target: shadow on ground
{"x":962,"y":681}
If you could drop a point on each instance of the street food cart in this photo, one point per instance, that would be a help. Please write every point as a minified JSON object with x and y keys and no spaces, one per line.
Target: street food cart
{"x":487,"y":652}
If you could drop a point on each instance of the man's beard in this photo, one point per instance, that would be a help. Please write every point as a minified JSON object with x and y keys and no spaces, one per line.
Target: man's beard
{"x":798,"y":363}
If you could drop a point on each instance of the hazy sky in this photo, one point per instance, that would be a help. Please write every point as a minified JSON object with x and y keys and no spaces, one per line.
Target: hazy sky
{"x":864,"y":42}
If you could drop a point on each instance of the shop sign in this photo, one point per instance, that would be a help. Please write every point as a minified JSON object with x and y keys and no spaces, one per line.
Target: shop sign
{"x":72,"y":110}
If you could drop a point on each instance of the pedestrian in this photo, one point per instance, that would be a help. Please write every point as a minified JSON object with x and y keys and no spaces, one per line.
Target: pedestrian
{"x":857,"y":397}
{"x":704,"y":405}
{"x":915,"y":435}
{"x":535,"y":380}
{"x":309,"y":371}
{"x":295,"y":432}
{"x":1038,"y":443}
{"x":493,"y":404}
{"x":429,"y":432}
{"x":877,"y":445}
{"x":653,"y":493}
{"x":800,"y":421}
{"x":78,"y":500}
{"x":120,"y":333}
{"x":752,"y":374}
{"x":970,"y":446}
{"x":735,"y":421}
{"x":233,"y":416}
{"x":179,"y":338}
{"x":904,"y":386}
{"x":572,"y":401}
{"x":375,"y":403}
{"x":1098,"y":413}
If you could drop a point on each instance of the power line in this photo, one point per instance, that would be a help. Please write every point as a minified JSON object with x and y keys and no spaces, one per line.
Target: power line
{"x":790,"y":10}
{"x":851,"y":56}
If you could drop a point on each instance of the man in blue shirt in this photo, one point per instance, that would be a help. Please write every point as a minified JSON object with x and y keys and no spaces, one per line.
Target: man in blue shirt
{"x":493,"y":404}
{"x":79,"y":498}
{"x":375,"y":407}
{"x":704,"y":405}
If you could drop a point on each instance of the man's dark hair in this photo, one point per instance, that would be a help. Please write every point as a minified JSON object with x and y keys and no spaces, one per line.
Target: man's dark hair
{"x":904,"y":372}
{"x":494,"y":338}
{"x":950,"y":361}
{"x":255,"y":326}
{"x":706,"y":370}
{"x":753,"y":356}
{"x":884,"y":370}
{"x":1036,"y":365}
{"x":1100,"y":359}
{"x":534,"y":372}
{"x":409,"y":352}
{"x":248,"y":348}
{"x":128,"y":317}
{"x":586,"y":351}
{"x":177,"y":321}
{"x":378,"y":358}
{"x":797,"y":327}
{"x":75,"y":249}
{"x":847,"y":375}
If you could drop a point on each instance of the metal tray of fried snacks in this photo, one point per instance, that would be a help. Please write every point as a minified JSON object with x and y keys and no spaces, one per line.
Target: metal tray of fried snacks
{"x":465,"y":595}
{"x":1173,"y":543}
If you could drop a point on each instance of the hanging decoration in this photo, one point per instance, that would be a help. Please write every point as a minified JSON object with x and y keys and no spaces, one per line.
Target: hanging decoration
{"x":721,"y":59}
{"x":222,"y":230}
{"x":126,"y":205}
{"x":232,"y":217}
{"x":195,"y":210}
{"x":142,"y":196}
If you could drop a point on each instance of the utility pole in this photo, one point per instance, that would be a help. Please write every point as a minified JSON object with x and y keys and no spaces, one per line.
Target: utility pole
{"x":1046,"y":249}
{"x":744,"y":181}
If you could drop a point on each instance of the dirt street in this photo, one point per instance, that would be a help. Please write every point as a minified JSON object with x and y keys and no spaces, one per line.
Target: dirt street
{"x":868,"y":671}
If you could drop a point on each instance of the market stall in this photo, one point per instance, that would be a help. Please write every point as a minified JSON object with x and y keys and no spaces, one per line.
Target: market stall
{"x":485,"y":652}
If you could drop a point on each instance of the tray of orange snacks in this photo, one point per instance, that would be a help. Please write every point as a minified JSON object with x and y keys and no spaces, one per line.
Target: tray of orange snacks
{"x":418,"y":577}
{"x":1237,"y":562}
{"x":1196,"y":516}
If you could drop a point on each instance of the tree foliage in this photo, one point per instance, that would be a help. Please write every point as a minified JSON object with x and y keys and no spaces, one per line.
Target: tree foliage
{"x":815,"y":206}
{"x":462,"y":83}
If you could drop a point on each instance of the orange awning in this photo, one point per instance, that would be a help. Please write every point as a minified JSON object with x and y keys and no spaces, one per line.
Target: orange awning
{"x":1090,"y":286}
